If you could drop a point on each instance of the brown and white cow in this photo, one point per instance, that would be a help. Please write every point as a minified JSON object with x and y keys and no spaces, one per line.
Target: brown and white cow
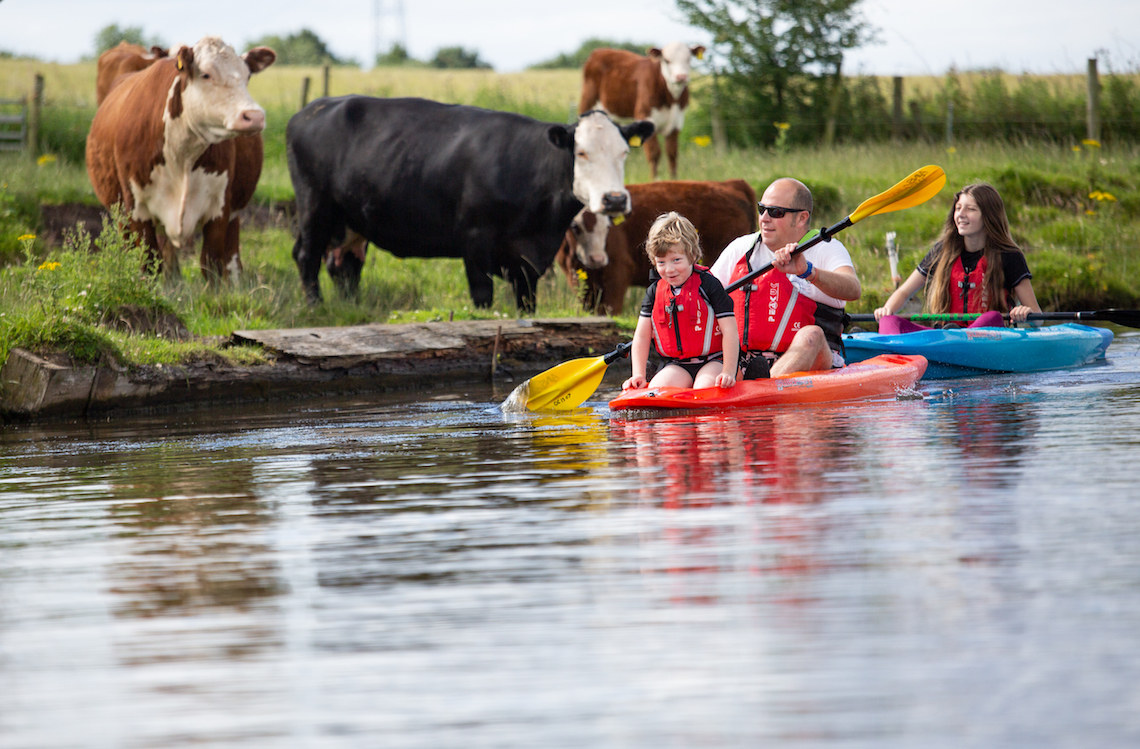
{"x":163,"y":143}
{"x":656,"y":88}
{"x":613,"y":257}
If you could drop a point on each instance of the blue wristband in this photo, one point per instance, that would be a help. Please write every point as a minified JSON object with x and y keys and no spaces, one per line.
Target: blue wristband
{"x":807,"y":273}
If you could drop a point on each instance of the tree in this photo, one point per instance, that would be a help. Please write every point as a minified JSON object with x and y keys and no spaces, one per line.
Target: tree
{"x":457,"y":57}
{"x":782,"y":60}
{"x":300,"y":48}
{"x":111,"y":35}
{"x":578,"y":59}
{"x":397,"y":56}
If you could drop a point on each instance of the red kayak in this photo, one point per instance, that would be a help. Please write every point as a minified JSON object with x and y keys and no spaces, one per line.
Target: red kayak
{"x":878,"y":377}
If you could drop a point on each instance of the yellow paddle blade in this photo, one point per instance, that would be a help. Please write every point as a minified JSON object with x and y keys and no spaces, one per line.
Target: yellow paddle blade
{"x":566,"y":386}
{"x":915,"y":189}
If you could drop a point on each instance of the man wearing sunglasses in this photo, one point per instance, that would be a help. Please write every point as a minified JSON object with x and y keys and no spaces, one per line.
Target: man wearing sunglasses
{"x":791,"y":318}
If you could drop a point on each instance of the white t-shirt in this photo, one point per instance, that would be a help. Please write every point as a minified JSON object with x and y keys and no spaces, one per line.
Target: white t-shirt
{"x":830,"y":255}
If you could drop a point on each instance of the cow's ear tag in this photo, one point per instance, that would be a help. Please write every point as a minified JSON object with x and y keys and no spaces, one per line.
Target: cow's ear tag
{"x":617,"y":220}
{"x":701,"y":55}
{"x":179,"y":63}
{"x":635,"y":141}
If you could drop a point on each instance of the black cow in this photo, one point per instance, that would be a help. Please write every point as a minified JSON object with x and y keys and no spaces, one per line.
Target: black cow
{"x":424,"y":179}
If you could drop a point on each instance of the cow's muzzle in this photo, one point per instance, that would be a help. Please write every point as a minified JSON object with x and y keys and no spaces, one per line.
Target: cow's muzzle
{"x":250,"y":121}
{"x":615,"y":202}
{"x":593,"y":261}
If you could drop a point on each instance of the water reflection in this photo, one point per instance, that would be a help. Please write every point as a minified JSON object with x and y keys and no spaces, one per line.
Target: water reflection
{"x":762,"y":456}
{"x":989,"y":437}
{"x":770,"y":468}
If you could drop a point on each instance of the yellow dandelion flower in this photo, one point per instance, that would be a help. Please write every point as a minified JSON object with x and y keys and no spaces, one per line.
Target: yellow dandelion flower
{"x":1101,"y":195}
{"x":951,"y":149}
{"x":782,"y":125}
{"x":1076,"y":149}
{"x":703,"y":141}
{"x":1090,"y":212}
{"x":1090,"y":143}
{"x":581,"y":274}
{"x":47,"y":158}
{"x":25,"y":237}
{"x":48,"y":266}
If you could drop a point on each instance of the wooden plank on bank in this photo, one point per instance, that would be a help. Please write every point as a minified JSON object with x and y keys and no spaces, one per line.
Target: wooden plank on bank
{"x":358,"y":344}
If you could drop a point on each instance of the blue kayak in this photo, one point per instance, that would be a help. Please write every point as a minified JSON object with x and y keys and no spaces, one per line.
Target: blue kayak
{"x":963,"y":352}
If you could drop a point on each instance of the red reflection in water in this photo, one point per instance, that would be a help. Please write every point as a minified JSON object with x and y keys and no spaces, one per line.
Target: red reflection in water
{"x":773,"y":462}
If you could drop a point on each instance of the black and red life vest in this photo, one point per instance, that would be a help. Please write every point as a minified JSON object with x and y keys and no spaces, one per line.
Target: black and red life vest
{"x":684,"y":323}
{"x":771,"y":310}
{"x":967,"y":292}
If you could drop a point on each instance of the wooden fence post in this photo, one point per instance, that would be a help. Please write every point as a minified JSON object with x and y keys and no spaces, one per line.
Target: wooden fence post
{"x":305,"y":91}
{"x":325,"y":89}
{"x":34,"y":117}
{"x":897,"y":110}
{"x":1093,"y":124}
{"x":949,"y":123}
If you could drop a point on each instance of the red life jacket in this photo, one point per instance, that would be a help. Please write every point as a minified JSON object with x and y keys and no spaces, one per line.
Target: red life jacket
{"x":770,"y":310}
{"x":967,"y":292}
{"x":684,"y":324}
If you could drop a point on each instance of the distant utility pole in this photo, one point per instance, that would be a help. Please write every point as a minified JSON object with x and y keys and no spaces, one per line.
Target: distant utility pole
{"x":394,"y":10}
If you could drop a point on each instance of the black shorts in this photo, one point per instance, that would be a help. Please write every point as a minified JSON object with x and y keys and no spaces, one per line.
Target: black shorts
{"x":692,"y":366}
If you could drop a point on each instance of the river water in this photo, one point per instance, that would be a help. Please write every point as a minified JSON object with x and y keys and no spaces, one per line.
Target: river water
{"x":961,"y":570}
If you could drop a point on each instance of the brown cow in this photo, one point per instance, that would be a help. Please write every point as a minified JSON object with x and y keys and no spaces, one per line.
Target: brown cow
{"x":627,"y":85}
{"x":121,"y":60}
{"x":163,"y":143}
{"x":249,"y":150}
{"x":613,"y":257}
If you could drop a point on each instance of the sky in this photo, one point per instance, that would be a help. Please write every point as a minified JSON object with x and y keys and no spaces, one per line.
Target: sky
{"x":918,"y":37}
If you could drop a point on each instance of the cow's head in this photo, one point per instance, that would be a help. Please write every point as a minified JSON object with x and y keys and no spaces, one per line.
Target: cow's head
{"x":676,"y":61}
{"x":587,"y":238}
{"x":211,"y":89}
{"x":600,"y":147}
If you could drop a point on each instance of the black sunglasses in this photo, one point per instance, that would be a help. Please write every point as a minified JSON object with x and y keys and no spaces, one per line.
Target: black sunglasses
{"x":776,"y":211}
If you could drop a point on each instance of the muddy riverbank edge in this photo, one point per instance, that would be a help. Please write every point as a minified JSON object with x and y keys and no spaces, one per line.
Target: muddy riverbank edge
{"x":306,"y":363}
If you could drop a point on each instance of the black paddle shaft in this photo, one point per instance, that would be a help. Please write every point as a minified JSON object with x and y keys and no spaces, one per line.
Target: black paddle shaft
{"x":620,"y":352}
{"x":823,"y":236}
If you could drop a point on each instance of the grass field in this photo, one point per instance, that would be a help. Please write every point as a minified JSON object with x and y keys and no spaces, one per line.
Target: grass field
{"x":1075,"y":211}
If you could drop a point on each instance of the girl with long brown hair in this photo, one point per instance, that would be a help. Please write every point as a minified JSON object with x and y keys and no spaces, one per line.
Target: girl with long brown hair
{"x":974,"y":267}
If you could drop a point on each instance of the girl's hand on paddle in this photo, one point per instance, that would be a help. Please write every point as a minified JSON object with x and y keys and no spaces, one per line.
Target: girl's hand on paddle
{"x":635,"y":383}
{"x":725,"y":380}
{"x":1019,"y":313}
{"x":882,"y":312}
{"x":785,"y":262}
